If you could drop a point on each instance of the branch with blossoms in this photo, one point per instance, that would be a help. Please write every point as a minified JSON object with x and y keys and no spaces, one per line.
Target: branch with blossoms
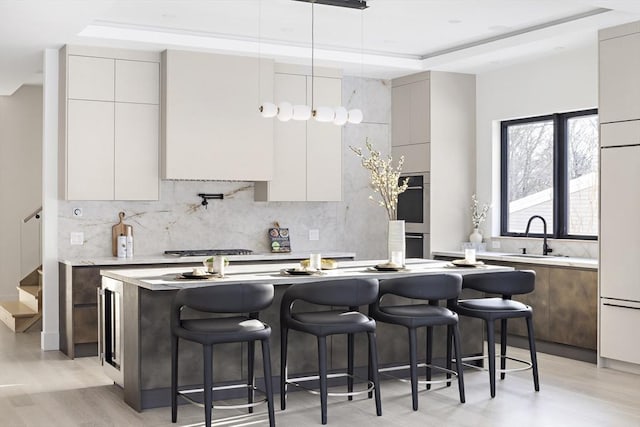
{"x":478,"y":212}
{"x":385,"y":178}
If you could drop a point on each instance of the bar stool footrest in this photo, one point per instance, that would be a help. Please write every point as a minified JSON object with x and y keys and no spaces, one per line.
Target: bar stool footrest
{"x":528,"y":364}
{"x":185,"y":395}
{"x":296,"y":382}
{"x":384,"y":371}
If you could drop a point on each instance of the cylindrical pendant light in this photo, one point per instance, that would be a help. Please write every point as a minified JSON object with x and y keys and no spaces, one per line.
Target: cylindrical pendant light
{"x":341,"y":116}
{"x":324,"y":114}
{"x":285,"y":111}
{"x":268,"y":110}
{"x":355,"y":116}
{"x":301,"y":112}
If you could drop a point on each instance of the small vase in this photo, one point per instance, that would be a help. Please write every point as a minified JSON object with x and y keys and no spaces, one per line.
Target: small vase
{"x":476,"y":236}
{"x":396,"y":239}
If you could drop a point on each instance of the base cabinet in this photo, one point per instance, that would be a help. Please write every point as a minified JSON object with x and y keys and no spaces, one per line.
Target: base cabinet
{"x":617,"y":329}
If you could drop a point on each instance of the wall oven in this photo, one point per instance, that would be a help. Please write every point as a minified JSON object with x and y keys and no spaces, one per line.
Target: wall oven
{"x":110,"y":348}
{"x":413,"y":208}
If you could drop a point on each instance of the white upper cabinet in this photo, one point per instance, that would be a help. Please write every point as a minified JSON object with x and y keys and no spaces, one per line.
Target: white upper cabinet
{"x":410,"y":113}
{"x":308,"y":154}
{"x":89,"y":172}
{"x":137,"y":81}
{"x":619,"y":91}
{"x":110,"y":129}
{"x":212,"y":128}
{"x":90,"y":78}
{"x":136,"y":152}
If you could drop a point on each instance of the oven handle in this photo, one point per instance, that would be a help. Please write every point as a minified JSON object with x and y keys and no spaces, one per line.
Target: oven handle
{"x":415,"y":187}
{"x":413,"y":236}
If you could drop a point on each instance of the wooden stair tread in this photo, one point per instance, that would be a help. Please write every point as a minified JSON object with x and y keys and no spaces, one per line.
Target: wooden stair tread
{"x":17,"y":309}
{"x":31,"y":289}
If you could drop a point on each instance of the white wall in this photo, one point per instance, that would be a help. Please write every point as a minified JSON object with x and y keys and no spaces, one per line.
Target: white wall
{"x":563,"y":81}
{"x":20,"y":182}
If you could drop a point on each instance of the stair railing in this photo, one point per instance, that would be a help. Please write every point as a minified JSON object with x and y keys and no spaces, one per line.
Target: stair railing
{"x":30,"y":242}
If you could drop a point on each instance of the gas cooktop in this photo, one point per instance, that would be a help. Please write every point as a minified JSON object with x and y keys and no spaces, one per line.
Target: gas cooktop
{"x":209,"y":252}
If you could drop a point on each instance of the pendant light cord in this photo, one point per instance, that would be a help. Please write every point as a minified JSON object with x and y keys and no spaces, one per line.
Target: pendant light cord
{"x":313,"y":3}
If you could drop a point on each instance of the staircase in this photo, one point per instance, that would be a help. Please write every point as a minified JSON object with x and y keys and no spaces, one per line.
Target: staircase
{"x":26,"y":312}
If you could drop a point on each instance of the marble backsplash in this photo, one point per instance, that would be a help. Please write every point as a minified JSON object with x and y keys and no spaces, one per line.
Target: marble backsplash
{"x":570,"y":248}
{"x":179,"y":221}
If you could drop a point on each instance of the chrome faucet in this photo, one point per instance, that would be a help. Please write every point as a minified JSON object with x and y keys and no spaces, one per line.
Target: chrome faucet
{"x":545,"y":247}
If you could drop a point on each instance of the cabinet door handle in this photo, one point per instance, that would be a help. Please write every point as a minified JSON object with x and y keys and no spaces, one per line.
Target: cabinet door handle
{"x":620,"y":306}
{"x":410,"y":236}
{"x":415,"y":187}
{"x":100,"y":355}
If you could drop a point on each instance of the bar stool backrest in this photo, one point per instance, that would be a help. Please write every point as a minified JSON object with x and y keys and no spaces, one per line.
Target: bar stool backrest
{"x":427,"y":287}
{"x":506,"y":283}
{"x":238,"y":298}
{"x":342,"y":292}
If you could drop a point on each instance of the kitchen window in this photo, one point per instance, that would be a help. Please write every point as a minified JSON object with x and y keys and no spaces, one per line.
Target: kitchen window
{"x":549,"y":167}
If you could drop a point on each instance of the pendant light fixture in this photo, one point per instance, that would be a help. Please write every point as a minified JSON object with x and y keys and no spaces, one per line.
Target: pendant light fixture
{"x":285,"y":111}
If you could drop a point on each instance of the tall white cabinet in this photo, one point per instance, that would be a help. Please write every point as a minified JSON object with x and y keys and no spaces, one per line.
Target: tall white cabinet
{"x":109,"y":124}
{"x":433,"y":127}
{"x":619,"y":111}
{"x":307,"y":154}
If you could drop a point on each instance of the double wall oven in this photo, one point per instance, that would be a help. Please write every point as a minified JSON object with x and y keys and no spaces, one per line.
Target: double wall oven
{"x":413,"y":208}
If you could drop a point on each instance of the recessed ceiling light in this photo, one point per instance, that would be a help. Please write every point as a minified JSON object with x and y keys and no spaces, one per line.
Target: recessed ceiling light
{"x":454,"y":21}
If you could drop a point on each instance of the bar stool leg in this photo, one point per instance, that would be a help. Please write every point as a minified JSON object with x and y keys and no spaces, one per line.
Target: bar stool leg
{"x":284,"y":333}
{"x":532,"y":351}
{"x":373,"y":363}
{"x":413,"y":367}
{"x":429,"y":353}
{"x":458,"y":354}
{"x":448,"y":356}
{"x":174,"y":378}
{"x":322,"y":367}
{"x":503,"y":347}
{"x":266,"y":362}
{"x":251,"y":382}
{"x":208,"y":383}
{"x":350,"y":364}
{"x":491,"y":343}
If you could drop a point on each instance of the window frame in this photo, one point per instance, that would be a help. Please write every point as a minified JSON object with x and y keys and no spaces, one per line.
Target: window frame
{"x":560,"y":174}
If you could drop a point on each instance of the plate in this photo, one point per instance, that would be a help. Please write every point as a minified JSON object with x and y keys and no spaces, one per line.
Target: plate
{"x":294,"y":272}
{"x":386,"y":268}
{"x":190,"y":276}
{"x":465,"y":263}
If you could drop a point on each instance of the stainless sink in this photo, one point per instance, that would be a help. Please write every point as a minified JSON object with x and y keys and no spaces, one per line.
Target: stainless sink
{"x":536,"y":256}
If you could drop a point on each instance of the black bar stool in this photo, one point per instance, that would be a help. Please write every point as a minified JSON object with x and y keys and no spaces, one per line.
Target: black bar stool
{"x":226,"y":299}
{"x":350,"y":293}
{"x":432,"y":288}
{"x":506,"y":284}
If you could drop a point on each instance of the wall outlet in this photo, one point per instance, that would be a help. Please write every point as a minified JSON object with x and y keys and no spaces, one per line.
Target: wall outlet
{"x":495,"y":244}
{"x":77,"y":238}
{"x":314,"y":234}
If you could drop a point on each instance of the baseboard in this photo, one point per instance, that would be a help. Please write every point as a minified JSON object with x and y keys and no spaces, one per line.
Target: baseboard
{"x":50,"y":341}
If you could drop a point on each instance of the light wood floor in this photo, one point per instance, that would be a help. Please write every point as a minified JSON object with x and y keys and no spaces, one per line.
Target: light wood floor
{"x":47,"y":389}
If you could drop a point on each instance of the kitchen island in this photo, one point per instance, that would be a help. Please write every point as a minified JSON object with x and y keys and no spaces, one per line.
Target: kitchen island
{"x":142,"y":342}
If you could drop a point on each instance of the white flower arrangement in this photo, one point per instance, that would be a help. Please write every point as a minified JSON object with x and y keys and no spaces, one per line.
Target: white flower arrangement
{"x":384,"y":178}
{"x":478,"y":212}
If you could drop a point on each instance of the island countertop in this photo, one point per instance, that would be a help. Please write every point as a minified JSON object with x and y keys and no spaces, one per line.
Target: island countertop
{"x":172,"y":259}
{"x":163,"y":279}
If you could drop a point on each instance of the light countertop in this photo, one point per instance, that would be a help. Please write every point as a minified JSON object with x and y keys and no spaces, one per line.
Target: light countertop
{"x":172,"y":259}
{"x":159,"y":279}
{"x":559,"y":261}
